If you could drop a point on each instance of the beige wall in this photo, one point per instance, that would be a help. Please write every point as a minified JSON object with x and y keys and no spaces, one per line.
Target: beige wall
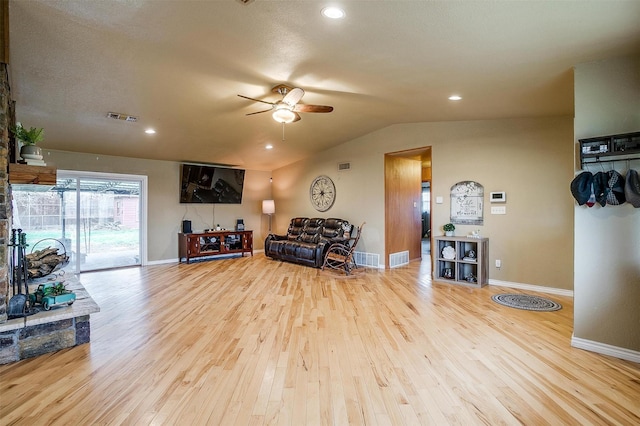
{"x":530,"y":159}
{"x":607,"y":239}
{"x":165,"y":213}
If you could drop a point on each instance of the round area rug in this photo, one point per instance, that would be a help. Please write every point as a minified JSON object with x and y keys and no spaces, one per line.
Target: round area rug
{"x":525,"y":301}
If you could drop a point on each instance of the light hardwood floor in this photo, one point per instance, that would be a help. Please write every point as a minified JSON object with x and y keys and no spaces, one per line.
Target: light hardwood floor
{"x":252,"y":341}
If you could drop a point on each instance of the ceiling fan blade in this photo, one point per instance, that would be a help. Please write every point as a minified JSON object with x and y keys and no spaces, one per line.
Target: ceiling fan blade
{"x":293,"y":96}
{"x":313,"y":108}
{"x":259,"y":112}
{"x":298,"y":118}
{"x":257,"y":100}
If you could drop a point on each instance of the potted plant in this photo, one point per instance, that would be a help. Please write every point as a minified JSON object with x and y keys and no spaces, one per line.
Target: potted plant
{"x":29,"y":138}
{"x":448,"y":229}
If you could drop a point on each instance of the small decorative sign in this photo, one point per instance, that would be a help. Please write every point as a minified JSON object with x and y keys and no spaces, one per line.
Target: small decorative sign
{"x":467,"y":203}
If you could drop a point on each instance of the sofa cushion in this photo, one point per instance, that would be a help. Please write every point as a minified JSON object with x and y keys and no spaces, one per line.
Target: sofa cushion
{"x":306,"y":251}
{"x":311,"y":230}
{"x":295,"y":227}
{"x":309,"y":238}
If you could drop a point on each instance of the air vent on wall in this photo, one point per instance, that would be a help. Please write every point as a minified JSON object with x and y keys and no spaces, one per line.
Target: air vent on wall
{"x":124,"y":117}
{"x":366,"y":259}
{"x":398,"y":259}
{"x":343,"y":167}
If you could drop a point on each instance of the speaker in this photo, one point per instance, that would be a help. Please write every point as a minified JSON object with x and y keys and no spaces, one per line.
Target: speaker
{"x":186,"y":226}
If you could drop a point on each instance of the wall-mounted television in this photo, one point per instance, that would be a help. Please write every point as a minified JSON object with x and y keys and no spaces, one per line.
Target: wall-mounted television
{"x":210,"y":184}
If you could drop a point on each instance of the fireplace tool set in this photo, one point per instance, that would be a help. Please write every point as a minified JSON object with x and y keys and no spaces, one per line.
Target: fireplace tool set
{"x":18,"y":304}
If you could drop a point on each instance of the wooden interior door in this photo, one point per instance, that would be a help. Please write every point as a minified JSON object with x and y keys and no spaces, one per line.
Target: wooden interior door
{"x":403,"y":213}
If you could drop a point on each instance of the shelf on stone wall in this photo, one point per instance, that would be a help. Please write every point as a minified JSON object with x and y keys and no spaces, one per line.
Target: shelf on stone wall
{"x":35,"y":175}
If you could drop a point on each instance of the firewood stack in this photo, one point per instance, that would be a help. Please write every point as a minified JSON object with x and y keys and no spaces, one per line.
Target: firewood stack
{"x":43,"y":262}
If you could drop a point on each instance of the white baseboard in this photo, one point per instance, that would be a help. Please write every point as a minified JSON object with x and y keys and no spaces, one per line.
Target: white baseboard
{"x":531,"y":287}
{"x":604,"y":349}
{"x":162,"y":261}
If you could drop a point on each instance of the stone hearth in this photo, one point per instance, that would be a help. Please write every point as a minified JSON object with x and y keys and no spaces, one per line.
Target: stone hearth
{"x":48,"y":331}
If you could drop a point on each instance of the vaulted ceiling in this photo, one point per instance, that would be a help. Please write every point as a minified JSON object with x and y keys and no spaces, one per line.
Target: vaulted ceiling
{"x":178,"y":67}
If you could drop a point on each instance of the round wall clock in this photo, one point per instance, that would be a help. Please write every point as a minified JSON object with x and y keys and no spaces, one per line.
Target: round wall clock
{"x":322,"y":193}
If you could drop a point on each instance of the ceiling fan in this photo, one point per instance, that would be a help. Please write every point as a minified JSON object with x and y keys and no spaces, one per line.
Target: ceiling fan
{"x":287,"y":109}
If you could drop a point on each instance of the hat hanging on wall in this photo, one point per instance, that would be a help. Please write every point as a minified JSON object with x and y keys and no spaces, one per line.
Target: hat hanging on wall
{"x":601,"y":187}
{"x":582,"y":187}
{"x":615,"y":183}
{"x":632,"y":188}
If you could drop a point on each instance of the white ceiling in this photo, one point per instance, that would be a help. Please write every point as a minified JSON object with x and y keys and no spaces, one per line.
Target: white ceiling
{"x":179,"y":66}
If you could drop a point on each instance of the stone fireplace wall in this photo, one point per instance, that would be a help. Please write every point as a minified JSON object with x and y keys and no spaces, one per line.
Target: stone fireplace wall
{"x":6,"y":118}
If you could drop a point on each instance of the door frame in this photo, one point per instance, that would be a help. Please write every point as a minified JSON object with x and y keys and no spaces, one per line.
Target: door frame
{"x":409,"y":199}
{"x":142,"y":179}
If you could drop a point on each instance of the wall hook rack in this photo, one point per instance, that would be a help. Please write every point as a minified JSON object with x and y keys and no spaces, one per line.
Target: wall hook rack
{"x":600,"y":149}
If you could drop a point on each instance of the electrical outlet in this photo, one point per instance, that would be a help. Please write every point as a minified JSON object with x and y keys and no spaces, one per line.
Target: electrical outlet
{"x":498,"y":263}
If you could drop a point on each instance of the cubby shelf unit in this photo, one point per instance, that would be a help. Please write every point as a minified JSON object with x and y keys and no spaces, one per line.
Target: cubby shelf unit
{"x":457,"y":266}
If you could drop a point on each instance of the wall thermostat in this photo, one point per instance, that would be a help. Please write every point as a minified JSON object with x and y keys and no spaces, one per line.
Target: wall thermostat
{"x":498,"y":197}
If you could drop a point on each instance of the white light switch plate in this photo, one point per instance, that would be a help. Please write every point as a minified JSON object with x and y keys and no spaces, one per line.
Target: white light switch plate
{"x":498,"y":209}
{"x":439,"y":200}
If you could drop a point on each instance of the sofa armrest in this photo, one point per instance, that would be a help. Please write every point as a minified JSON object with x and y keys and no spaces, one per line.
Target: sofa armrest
{"x":275,"y":237}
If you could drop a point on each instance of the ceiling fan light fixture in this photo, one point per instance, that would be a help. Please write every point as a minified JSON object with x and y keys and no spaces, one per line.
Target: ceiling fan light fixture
{"x":282,"y":114}
{"x":333,"y":12}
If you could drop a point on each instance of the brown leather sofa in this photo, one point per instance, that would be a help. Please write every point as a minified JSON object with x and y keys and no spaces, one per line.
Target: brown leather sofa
{"x":307,"y":240}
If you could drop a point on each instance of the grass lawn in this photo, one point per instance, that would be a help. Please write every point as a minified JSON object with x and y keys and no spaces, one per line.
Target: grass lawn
{"x":98,"y":240}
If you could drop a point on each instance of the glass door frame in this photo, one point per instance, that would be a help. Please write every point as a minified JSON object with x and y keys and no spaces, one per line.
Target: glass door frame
{"x":142,"y":179}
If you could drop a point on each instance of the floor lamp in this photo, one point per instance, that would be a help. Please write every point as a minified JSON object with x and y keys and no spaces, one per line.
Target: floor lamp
{"x":268,"y":207}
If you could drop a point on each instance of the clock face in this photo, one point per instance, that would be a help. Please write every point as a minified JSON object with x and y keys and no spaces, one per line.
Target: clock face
{"x":322,"y":193}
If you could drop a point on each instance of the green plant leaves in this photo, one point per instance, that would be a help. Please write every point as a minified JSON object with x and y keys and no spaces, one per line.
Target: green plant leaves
{"x":28,"y":137}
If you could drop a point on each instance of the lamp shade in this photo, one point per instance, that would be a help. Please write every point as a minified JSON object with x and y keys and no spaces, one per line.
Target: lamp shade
{"x":268,"y":207}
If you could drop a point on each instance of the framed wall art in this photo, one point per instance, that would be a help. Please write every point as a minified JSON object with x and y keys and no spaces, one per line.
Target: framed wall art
{"x":467,"y":199}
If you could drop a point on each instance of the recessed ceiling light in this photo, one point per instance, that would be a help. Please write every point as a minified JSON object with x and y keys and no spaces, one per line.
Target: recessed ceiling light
{"x":333,"y":12}
{"x":455,"y":97}
{"x":150,"y":131}
{"x":269,"y":146}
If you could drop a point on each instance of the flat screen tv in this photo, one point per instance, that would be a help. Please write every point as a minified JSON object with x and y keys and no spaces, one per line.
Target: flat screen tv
{"x":210,"y":184}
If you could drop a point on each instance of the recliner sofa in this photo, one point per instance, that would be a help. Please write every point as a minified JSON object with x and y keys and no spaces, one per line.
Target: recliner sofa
{"x":307,"y":240}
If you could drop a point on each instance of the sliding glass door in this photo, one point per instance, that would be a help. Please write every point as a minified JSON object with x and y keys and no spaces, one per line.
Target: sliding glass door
{"x":97,"y":218}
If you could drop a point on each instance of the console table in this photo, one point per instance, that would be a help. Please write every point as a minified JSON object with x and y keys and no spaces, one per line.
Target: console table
{"x":214,"y":243}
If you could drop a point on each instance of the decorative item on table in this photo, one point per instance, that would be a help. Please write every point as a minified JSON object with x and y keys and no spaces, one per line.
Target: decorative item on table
{"x":52,"y":294}
{"x":447,"y":273}
{"x":449,"y":253}
{"x":448,"y":229}
{"x":239,"y":224}
{"x":29,"y":151}
{"x":470,"y":256}
{"x":474,"y":234}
